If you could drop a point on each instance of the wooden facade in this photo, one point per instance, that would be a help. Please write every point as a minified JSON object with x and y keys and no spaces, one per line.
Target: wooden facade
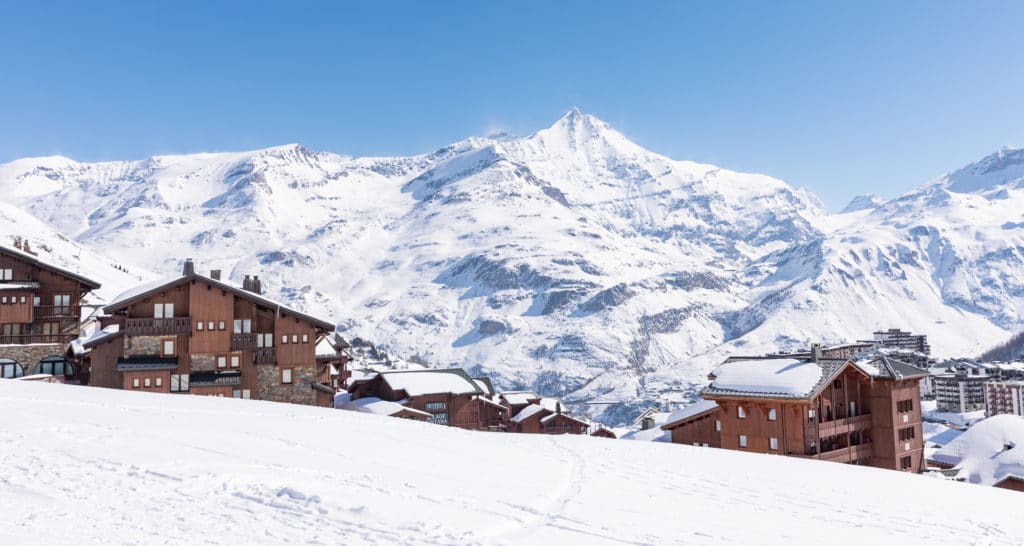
{"x":198,"y":335}
{"x":40,"y":313}
{"x":538,"y":419}
{"x":852,"y":417}
{"x":470,"y":407}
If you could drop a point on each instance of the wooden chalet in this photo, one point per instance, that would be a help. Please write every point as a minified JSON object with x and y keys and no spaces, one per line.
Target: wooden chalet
{"x":332,"y":360}
{"x":864,"y":412}
{"x":198,"y":335}
{"x":546,"y":417}
{"x":450,"y":396}
{"x":40,"y":313}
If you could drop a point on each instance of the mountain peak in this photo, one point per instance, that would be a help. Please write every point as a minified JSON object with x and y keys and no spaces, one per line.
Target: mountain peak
{"x":1003,"y":167}
{"x":864,"y":202}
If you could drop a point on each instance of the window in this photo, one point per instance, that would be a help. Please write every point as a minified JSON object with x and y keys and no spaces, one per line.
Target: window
{"x":838,"y":383}
{"x":24,"y":299}
{"x":222,"y":362}
{"x":904,"y":406}
{"x":284,"y":340}
{"x":740,"y":412}
{"x":148,"y":383}
{"x":6,"y":274}
{"x":264,"y":340}
{"x":55,"y":365}
{"x":36,"y":301}
{"x":159,"y":382}
{"x":199,"y":326}
{"x":179,"y":383}
{"x":168,"y":347}
{"x":772,"y":415}
{"x":222,"y":325}
{"x":810,"y":415}
{"x":135,"y":383}
{"x":209,"y":325}
{"x":905,"y":463}
{"x":305,"y":338}
{"x":906,"y":434}
{"x":10,"y":368}
{"x":718,"y":426}
{"x":295,"y":338}
{"x":236,"y":361}
{"x":3,"y":299}
{"x":773,"y":444}
{"x":743,"y":440}
{"x":61,"y":304}
{"x":246,"y":394}
{"x":163,"y":310}
{"x":243,"y":326}
{"x":286,"y":376}
{"x":237,"y":393}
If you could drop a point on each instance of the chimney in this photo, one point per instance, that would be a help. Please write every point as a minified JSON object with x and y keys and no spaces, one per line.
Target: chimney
{"x":815,"y":351}
{"x":28,"y":248}
{"x":558,"y":408}
{"x":215,"y":274}
{"x":247,"y":283}
{"x":257,"y":287}
{"x":189,"y":268}
{"x":17,"y":243}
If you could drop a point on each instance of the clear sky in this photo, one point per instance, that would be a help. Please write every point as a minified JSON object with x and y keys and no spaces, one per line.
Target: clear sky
{"x":840,"y":97}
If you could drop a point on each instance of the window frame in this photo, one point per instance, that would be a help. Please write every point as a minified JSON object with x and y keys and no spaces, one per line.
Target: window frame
{"x":286,"y":376}
{"x":742,"y":441}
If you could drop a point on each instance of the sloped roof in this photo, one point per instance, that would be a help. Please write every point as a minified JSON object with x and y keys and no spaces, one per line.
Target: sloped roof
{"x":552,"y":416}
{"x":689,"y":412}
{"x":528,"y":412}
{"x":145,"y":290}
{"x":485,"y":384}
{"x":517,"y":398}
{"x":987,"y":453}
{"x":34,"y":260}
{"x":796,"y":379}
{"x":423,"y":382}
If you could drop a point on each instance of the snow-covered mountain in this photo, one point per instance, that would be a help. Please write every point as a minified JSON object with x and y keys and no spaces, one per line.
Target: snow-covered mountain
{"x":571,"y":261}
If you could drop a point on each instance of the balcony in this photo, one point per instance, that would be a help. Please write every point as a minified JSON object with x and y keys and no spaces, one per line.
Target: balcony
{"x":844,"y":426}
{"x":848,"y":454}
{"x":175,"y":326}
{"x":243,"y":342}
{"x":266,"y":355}
{"x":57,"y":311}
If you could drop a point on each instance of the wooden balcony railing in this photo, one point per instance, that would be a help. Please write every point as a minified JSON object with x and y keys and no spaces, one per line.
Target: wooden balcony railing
{"x":266,"y":355}
{"x":175,"y":326}
{"x":56,"y":311}
{"x":243,"y":342}
{"x":844,"y":426}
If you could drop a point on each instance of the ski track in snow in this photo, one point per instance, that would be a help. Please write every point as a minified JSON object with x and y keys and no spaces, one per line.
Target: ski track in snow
{"x":85,"y":465}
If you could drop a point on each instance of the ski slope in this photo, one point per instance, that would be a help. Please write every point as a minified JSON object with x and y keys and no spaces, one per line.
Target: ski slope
{"x":87,"y":465}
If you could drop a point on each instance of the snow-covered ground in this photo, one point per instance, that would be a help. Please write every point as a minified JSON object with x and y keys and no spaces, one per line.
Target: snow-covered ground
{"x":88,"y":465}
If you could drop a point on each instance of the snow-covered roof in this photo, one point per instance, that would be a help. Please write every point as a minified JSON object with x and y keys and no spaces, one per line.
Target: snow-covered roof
{"x":34,"y":260}
{"x":423,"y":382}
{"x":374,"y":405}
{"x":769,"y":376}
{"x":484,"y":385}
{"x":527,"y":412}
{"x":690,"y":412}
{"x":517,"y":398}
{"x":82,"y":344}
{"x":988,"y":452}
{"x":489,"y":402}
{"x":143,"y":289}
{"x":552,"y":416}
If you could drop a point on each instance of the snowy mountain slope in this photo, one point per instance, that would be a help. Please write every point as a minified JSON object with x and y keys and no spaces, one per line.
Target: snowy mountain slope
{"x":113,"y":466}
{"x":570,"y":261}
{"x":53,"y":247}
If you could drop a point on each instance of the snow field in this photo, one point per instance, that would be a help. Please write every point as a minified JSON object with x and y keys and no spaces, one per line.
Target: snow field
{"x":87,"y":465}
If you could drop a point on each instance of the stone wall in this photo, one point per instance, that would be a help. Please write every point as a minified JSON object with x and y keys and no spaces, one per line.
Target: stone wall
{"x":204,"y":363}
{"x":142,"y":345}
{"x":300,"y":391}
{"x":30,"y":355}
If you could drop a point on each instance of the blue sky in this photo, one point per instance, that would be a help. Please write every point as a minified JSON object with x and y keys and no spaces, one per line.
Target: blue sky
{"x":840,"y":97}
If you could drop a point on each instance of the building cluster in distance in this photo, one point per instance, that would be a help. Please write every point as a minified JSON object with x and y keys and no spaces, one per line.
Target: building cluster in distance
{"x":857,"y":403}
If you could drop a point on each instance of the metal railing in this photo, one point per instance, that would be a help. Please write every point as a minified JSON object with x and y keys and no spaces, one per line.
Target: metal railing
{"x":266,"y":355}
